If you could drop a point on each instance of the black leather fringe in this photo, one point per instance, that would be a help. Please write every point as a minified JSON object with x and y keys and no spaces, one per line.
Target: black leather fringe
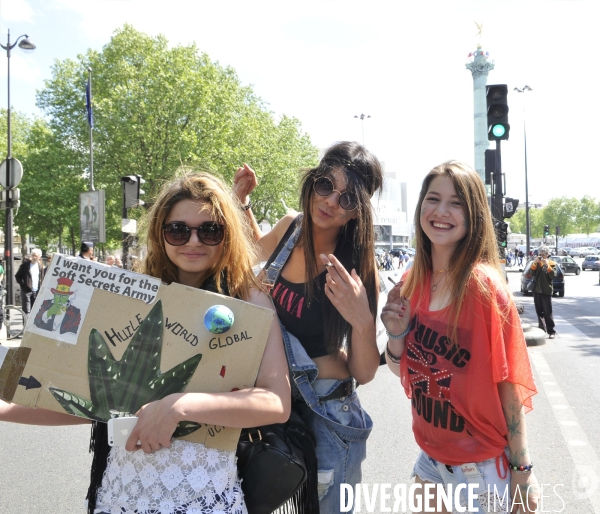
{"x":306,"y":499}
{"x":100,"y":448}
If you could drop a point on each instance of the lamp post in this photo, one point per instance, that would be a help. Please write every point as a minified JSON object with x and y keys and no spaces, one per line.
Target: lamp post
{"x":26,"y":45}
{"x":524,"y":89}
{"x":362,"y":121}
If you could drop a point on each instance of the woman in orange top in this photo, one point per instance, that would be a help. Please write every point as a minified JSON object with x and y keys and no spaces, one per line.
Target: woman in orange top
{"x":455,"y":341}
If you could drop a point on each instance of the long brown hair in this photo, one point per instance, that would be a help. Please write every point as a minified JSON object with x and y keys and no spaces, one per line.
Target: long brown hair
{"x":233,"y":270}
{"x":355,"y":247}
{"x":477,"y":247}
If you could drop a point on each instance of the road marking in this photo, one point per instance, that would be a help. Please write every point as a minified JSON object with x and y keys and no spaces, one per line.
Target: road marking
{"x":593,"y":319}
{"x":587,"y":464}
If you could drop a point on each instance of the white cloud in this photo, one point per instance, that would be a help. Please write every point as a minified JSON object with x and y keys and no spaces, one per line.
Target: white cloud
{"x":17,"y":11}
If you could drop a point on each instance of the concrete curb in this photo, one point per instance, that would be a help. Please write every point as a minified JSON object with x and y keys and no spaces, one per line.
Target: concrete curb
{"x":533,"y":336}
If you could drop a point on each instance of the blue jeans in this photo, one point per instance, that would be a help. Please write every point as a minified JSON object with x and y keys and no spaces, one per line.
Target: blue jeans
{"x":492,"y":490}
{"x":341,"y":426}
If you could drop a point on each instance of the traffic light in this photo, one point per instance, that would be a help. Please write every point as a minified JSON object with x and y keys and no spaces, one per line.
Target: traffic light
{"x":510,"y":207}
{"x":558,"y":230}
{"x":490,"y":165}
{"x":546,"y":230}
{"x":132,"y":191}
{"x":497,"y":112}
{"x":501,"y":233}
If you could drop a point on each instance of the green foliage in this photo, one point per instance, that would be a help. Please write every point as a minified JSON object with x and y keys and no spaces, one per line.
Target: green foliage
{"x":50,"y":189}
{"x":588,"y":215}
{"x":120,"y":388}
{"x":156,"y":108}
{"x":571,"y":215}
{"x":563,"y":212}
{"x":518,"y":222}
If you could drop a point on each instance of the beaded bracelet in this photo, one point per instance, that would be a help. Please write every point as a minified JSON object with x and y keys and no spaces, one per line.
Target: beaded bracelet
{"x":399,"y":336}
{"x":520,"y":470}
{"x":391,"y":356}
{"x":248,"y":205}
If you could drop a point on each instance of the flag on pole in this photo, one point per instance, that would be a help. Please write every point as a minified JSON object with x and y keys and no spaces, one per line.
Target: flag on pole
{"x":88,"y":102}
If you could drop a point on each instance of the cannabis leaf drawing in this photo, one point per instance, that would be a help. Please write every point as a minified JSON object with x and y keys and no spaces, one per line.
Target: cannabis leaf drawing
{"x":120,"y":388}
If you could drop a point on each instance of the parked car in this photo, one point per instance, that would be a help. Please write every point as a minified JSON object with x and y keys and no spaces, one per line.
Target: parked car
{"x":558,"y":283}
{"x":582,"y":251}
{"x":591,"y":262}
{"x":567,"y":264}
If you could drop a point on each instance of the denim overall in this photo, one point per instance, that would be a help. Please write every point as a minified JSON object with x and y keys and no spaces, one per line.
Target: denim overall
{"x":341,"y":426}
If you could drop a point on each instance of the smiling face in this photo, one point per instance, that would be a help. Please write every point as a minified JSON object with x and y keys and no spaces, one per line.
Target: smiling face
{"x":442,"y":213}
{"x":194,"y":257}
{"x":325,"y":210}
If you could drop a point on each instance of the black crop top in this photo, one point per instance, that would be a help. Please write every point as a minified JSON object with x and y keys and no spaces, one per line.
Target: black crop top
{"x":303,"y":319}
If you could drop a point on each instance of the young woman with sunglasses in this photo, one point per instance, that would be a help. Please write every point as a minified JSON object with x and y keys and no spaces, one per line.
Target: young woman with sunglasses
{"x":197,"y":237}
{"x":326,"y":298}
{"x":456,"y":342}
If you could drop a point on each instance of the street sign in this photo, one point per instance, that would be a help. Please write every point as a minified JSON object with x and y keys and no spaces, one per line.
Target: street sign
{"x":16,"y":173}
{"x":10,"y":198}
{"x":129,"y":226}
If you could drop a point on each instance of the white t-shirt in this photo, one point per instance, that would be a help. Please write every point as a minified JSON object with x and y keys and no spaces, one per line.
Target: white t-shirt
{"x":34,"y":269}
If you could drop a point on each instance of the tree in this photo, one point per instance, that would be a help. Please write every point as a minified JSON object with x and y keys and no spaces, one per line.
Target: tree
{"x":517,"y":222}
{"x":52,"y":181}
{"x":157,"y":108}
{"x":536,"y":222}
{"x":563,"y":212}
{"x":588,"y":215}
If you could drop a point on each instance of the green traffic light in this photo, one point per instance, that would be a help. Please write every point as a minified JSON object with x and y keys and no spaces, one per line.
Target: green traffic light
{"x":498,"y":130}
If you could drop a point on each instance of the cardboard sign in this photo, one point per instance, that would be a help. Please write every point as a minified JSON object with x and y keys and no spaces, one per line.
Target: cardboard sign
{"x":101,"y":342}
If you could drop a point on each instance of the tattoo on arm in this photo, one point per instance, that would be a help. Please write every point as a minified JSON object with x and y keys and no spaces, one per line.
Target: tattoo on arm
{"x":513,"y":424}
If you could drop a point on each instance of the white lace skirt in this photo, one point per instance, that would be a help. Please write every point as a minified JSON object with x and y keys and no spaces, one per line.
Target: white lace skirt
{"x":187,"y":478}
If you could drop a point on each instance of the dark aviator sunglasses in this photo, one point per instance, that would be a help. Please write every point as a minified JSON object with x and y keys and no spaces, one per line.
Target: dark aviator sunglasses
{"x":324,"y":186}
{"x":209,"y":233}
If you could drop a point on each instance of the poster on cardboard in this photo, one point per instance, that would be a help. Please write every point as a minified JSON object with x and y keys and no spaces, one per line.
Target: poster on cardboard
{"x":63,"y":301}
{"x":128,"y":350}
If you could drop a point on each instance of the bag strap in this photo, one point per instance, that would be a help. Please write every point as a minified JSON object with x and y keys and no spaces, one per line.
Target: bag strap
{"x":270,"y":273}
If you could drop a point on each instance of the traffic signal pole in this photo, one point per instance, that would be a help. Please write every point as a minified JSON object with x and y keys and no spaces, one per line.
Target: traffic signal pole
{"x":125,"y":236}
{"x":497,"y":210}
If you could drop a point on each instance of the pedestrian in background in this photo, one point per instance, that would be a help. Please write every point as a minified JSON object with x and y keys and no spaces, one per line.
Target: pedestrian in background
{"x":543,"y":271}
{"x":110,"y":260}
{"x":456,"y":342}
{"x":86,"y":251}
{"x":29,"y":277}
{"x":325,"y":293}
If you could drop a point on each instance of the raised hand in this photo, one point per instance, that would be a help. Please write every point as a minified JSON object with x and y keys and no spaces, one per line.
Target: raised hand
{"x":395,"y":315}
{"x":244,"y":183}
{"x":346,"y":292}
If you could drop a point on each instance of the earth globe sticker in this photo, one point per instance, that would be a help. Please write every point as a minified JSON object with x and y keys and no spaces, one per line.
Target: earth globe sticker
{"x":218,"y":319}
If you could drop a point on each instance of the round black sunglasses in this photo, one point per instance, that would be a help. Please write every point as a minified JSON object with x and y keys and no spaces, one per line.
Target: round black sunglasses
{"x":209,"y":233}
{"x":324,"y":186}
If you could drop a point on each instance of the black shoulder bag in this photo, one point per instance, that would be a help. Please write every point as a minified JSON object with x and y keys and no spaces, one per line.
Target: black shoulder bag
{"x":277,"y":463}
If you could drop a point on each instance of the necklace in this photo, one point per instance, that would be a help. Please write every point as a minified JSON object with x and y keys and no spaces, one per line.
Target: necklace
{"x":434,"y":286}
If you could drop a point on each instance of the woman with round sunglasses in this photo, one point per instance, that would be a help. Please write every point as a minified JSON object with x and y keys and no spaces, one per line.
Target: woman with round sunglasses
{"x":198,"y":237}
{"x":323,"y":279}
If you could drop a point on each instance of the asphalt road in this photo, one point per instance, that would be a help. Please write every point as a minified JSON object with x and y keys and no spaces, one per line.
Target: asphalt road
{"x":46,"y":470}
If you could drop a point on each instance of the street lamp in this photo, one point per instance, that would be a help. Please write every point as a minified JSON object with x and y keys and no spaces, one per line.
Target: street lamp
{"x":362,"y":121}
{"x":28,"y":46}
{"x":524,"y":89}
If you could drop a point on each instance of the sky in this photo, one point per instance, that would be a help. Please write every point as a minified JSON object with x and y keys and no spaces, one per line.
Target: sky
{"x":400,"y":62}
